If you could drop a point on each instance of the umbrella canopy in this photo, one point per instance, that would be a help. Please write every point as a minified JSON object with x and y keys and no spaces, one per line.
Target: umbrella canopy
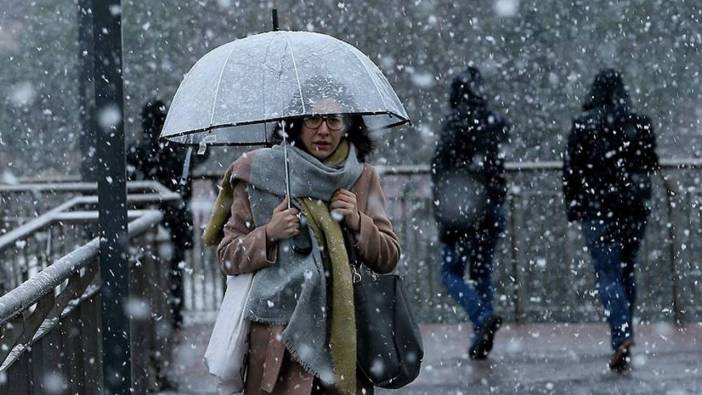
{"x":236,"y":93}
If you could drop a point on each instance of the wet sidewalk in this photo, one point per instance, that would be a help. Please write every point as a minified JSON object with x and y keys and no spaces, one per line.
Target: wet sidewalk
{"x":527,"y":359}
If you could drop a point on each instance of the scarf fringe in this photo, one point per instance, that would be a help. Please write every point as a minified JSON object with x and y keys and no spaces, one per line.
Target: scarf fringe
{"x":292,"y":349}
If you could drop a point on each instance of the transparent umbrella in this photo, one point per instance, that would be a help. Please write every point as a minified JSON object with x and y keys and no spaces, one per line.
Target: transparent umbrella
{"x":236,"y":93}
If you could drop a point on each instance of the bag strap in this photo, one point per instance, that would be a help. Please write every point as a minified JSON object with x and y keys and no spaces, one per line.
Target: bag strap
{"x":354,"y":260}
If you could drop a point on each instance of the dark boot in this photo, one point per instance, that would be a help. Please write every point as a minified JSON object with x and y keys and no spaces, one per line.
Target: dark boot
{"x":485,"y":338}
{"x":620,"y":362}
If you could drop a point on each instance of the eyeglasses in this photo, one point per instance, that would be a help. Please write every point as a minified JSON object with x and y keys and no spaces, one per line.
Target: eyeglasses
{"x":334,"y":122}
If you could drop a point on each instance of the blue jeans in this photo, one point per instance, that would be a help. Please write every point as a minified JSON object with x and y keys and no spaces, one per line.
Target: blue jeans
{"x":613,"y":245}
{"x":475,"y":249}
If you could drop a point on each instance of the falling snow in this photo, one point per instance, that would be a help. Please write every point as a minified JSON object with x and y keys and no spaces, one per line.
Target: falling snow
{"x":538,"y":60}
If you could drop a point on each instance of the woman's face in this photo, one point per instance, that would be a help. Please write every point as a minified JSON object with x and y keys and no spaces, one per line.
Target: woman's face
{"x":321,"y":135}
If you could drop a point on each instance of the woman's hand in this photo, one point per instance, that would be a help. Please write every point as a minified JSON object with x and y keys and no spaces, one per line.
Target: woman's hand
{"x":284,"y":222}
{"x":344,"y":203}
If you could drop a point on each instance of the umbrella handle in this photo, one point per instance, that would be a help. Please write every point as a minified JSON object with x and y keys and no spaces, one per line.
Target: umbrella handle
{"x":275,"y":19}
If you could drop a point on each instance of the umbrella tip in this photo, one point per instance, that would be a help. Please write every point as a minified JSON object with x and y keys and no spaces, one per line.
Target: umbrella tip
{"x":274,"y":13}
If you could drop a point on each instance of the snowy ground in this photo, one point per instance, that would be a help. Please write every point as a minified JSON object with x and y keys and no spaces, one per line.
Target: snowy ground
{"x":527,"y":359}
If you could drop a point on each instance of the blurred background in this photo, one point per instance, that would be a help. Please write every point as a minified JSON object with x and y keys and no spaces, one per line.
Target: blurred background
{"x":537,"y":57}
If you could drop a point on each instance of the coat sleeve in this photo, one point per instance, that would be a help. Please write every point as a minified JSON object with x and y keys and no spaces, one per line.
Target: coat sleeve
{"x":244,"y":248}
{"x":376,"y":241}
{"x":572,"y":174}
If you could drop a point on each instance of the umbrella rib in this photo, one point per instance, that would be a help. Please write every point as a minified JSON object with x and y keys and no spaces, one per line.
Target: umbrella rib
{"x":372,"y":76}
{"x":263,"y":93}
{"x":297,"y":75}
{"x":219,"y":82}
{"x":174,"y":101}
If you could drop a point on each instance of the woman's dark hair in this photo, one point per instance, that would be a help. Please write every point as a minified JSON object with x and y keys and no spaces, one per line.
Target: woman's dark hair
{"x":607,"y":89}
{"x":324,"y":87}
{"x":356,"y":134}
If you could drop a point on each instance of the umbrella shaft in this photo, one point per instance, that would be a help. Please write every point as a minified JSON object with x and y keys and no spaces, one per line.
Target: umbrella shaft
{"x":287,"y":167}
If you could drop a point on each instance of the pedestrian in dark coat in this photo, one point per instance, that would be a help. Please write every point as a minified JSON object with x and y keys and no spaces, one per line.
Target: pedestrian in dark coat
{"x":470,"y":144}
{"x":607,"y":185}
{"x":163,"y":162}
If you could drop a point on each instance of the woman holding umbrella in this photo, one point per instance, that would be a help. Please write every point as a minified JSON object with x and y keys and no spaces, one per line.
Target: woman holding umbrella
{"x":302,"y":336}
{"x":295,"y":211}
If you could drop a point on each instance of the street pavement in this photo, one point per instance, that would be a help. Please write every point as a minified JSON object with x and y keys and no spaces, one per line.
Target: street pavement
{"x":527,"y":359}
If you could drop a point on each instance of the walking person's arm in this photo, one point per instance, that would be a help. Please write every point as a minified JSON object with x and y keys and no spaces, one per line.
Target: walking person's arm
{"x":376,"y":241}
{"x":572,"y":174}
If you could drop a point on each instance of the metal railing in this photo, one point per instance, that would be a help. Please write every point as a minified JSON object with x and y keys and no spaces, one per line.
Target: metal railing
{"x":50,"y":324}
{"x":50,"y":318}
{"x":51,"y":232}
{"x":22,"y":202}
{"x":542,"y":271}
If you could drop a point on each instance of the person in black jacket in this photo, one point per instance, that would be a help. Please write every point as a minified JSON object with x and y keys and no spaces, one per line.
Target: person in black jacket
{"x":607,"y":186}
{"x":468,"y":171}
{"x":163,"y":162}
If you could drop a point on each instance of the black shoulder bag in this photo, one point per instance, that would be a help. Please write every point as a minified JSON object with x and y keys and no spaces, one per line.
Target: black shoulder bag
{"x":462,"y":198}
{"x":389,"y":344}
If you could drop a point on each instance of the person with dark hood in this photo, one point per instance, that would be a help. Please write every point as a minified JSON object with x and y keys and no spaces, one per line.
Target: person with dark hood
{"x":469,"y":190}
{"x":607,"y":185}
{"x":163,"y":162}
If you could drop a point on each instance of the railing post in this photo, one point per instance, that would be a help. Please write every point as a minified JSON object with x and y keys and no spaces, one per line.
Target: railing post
{"x":20,"y":375}
{"x":515,"y":222}
{"x":141,"y":318}
{"x":92,"y":347}
{"x":673,"y":202}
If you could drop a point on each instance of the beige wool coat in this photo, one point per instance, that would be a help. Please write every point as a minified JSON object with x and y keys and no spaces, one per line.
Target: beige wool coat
{"x":244,"y":249}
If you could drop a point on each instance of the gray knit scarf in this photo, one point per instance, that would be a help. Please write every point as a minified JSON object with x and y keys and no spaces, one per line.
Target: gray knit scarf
{"x":293,"y":291}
